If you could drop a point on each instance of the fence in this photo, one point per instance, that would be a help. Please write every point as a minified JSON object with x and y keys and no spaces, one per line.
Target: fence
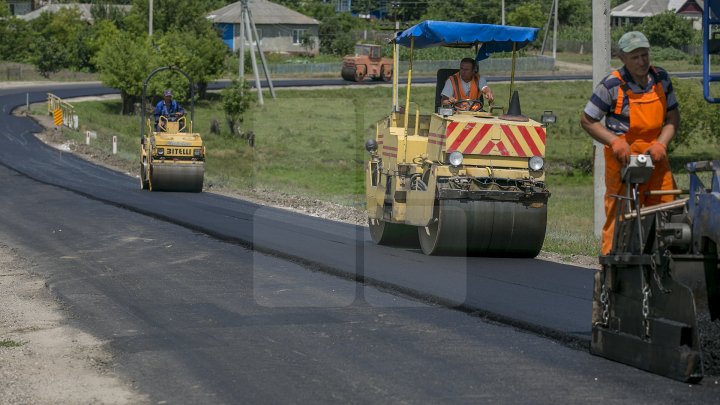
{"x":492,"y":65}
{"x":62,"y":111}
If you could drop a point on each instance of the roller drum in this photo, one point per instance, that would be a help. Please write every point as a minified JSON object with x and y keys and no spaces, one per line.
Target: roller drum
{"x":348,"y":73}
{"x":177,"y":177}
{"x":387,"y":233}
{"x":488,"y":228}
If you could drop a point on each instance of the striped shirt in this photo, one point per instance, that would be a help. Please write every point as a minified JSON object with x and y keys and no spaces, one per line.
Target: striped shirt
{"x":604,"y":98}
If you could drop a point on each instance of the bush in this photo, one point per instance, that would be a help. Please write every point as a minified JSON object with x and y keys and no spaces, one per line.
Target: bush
{"x":663,"y":54}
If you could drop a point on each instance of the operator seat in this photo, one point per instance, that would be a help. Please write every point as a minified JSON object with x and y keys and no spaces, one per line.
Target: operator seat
{"x":442,"y":76}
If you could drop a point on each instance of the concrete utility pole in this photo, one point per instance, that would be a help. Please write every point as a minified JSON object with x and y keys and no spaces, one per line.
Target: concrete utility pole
{"x":150,"y":18}
{"x":247,"y":31}
{"x":601,"y":68}
{"x":502,"y":6}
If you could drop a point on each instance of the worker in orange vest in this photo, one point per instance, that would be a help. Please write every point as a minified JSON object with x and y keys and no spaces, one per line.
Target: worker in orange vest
{"x":641,"y":117}
{"x":466,"y":85}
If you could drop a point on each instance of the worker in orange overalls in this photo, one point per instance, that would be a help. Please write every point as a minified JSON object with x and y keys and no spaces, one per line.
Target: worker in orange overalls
{"x":466,"y":84}
{"x":641,"y":117}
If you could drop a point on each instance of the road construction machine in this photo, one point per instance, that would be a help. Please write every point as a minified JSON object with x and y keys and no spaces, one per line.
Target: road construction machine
{"x":656,"y":301}
{"x":172,"y":155}
{"x":459,"y":182}
{"x":367,"y":62}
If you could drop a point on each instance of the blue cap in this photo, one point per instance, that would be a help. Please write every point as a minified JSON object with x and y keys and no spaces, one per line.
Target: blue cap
{"x":168,"y":93}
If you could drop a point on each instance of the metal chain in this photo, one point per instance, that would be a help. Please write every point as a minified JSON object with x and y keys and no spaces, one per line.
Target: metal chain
{"x":605,"y":301}
{"x":646,"y":308}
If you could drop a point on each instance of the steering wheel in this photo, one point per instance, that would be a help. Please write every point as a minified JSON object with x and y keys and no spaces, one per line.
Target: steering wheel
{"x":468,"y":105}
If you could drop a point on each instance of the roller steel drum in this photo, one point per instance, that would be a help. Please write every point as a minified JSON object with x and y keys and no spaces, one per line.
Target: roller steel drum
{"x":389,"y":234}
{"x":489,"y":228}
{"x":176,"y":177}
{"x":351,"y":75}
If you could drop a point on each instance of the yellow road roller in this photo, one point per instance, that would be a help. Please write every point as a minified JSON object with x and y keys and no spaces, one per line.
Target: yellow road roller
{"x":172,"y":155}
{"x":459,"y":182}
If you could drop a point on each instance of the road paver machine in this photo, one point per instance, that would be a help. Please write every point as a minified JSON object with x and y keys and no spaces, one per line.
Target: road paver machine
{"x":656,"y":302}
{"x":172,"y":155}
{"x":459,"y":182}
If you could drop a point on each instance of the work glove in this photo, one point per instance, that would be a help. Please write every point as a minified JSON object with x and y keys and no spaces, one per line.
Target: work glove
{"x":621,"y":150}
{"x":657,"y":151}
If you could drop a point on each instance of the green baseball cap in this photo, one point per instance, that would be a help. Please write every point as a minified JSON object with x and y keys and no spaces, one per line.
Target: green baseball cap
{"x":633,"y":40}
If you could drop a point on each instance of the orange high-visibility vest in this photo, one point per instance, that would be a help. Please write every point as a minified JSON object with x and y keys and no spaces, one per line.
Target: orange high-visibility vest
{"x":475,"y":91}
{"x":647,"y":117}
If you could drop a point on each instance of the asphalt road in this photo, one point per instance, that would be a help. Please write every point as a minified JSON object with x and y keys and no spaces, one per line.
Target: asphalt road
{"x":193,"y":316}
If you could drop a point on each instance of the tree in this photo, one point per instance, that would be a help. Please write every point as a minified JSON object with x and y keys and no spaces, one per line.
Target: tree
{"x":528,"y":15}
{"x":61,"y":42}
{"x":201,"y":56}
{"x":17,"y":40}
{"x":124,"y":62}
{"x":236,"y":101}
{"x":668,"y":30}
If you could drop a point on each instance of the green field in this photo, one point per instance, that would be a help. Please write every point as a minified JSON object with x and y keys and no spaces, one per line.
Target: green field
{"x":310,"y":142}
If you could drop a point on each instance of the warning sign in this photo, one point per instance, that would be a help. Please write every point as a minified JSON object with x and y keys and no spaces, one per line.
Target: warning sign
{"x":57,"y":117}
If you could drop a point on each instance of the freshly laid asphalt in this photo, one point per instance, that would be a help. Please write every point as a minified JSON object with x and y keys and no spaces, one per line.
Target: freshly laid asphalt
{"x":192,"y":318}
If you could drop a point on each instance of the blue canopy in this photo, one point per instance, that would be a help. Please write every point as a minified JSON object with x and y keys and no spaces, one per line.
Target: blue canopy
{"x":492,"y":38}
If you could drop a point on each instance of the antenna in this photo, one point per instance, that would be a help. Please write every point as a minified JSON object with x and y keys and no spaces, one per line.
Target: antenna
{"x":248,"y":30}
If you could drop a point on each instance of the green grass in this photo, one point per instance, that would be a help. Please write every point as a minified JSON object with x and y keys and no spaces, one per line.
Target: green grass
{"x":310,"y":142}
{"x":10,"y":343}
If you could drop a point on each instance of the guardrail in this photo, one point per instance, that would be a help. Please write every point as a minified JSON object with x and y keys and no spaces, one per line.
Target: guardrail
{"x":63,"y":112}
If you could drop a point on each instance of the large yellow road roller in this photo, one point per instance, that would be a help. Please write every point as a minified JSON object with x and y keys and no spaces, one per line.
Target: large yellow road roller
{"x":459,"y":182}
{"x":172,"y":155}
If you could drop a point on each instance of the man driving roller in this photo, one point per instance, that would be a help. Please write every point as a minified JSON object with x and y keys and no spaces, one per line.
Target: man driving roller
{"x":466,"y":88}
{"x":167,"y":107}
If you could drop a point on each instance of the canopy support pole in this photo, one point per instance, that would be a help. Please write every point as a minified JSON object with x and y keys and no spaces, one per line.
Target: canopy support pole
{"x":407,"y":93}
{"x":512,"y":71}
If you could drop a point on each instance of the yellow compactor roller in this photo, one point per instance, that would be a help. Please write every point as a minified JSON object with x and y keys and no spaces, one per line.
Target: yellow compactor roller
{"x":172,"y":155}
{"x":459,"y":182}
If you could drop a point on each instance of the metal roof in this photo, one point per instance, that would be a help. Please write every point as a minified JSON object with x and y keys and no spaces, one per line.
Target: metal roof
{"x":641,"y":8}
{"x":85,"y":13}
{"x":263,"y":12}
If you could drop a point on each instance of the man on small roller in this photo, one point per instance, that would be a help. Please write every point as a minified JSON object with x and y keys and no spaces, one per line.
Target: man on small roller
{"x":466,"y":88}
{"x":168,"y":108}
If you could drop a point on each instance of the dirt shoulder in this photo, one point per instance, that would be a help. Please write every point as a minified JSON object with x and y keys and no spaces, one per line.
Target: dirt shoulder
{"x":43,"y":360}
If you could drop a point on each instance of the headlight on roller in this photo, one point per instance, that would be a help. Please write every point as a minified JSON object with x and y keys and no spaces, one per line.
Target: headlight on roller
{"x":536,"y":163}
{"x":161,"y":151}
{"x":455,"y":158}
{"x":197,"y":152}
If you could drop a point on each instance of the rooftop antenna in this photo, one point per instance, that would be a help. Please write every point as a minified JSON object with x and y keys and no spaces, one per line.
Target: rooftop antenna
{"x":248,"y":30}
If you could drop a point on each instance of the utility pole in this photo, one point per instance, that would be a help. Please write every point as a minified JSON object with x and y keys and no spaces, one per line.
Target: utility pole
{"x":502,"y":6}
{"x":247,"y":31}
{"x":601,"y":68}
{"x":553,"y":11}
{"x":150,"y":18}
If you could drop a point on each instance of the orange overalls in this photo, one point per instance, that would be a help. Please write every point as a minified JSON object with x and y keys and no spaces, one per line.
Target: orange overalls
{"x":647,"y":117}
{"x":475,"y":92}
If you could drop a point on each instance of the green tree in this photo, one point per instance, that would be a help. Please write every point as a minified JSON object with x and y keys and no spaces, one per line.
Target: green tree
{"x":172,"y":15}
{"x":61,"y":42}
{"x":236,"y":100}
{"x":201,"y":56}
{"x":124,"y":62}
{"x":4,"y":9}
{"x":17,"y":40}
{"x":528,"y":15}
{"x":668,"y":30}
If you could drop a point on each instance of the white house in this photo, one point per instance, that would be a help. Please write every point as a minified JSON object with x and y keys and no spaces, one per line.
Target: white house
{"x":280,"y":29}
